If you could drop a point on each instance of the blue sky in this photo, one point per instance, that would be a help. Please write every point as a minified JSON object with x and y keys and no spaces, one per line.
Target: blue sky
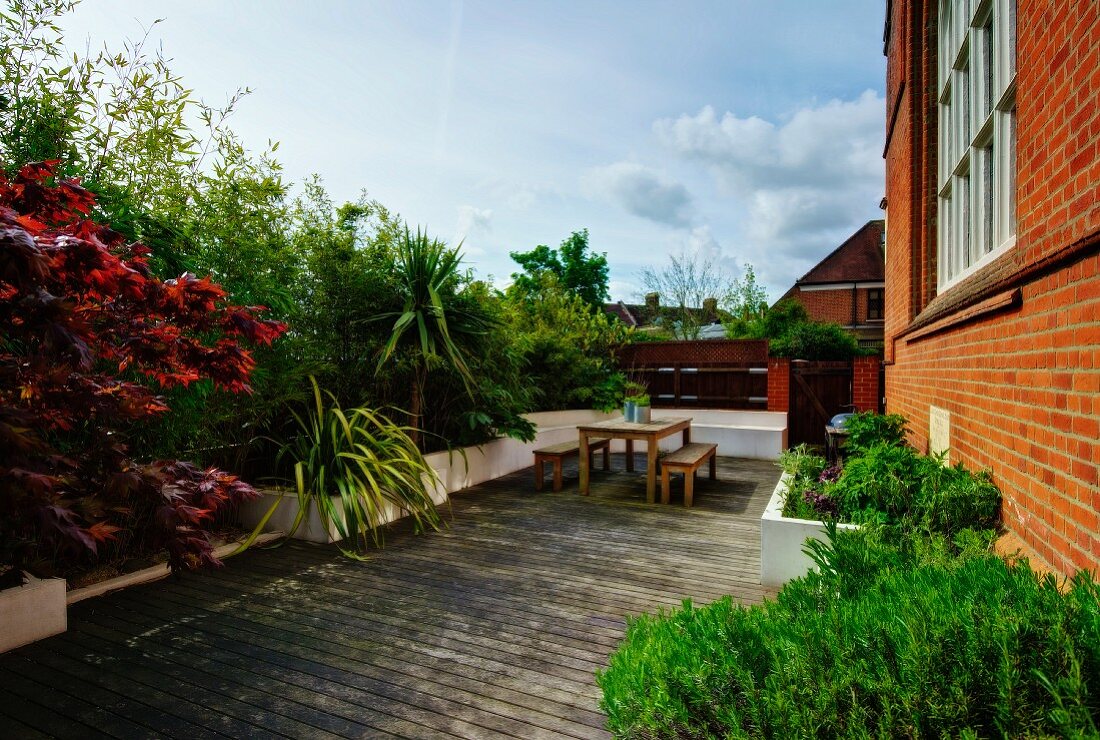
{"x":740,"y":131}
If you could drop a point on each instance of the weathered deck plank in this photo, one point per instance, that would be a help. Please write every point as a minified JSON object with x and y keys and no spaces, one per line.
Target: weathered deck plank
{"x":493,"y":627}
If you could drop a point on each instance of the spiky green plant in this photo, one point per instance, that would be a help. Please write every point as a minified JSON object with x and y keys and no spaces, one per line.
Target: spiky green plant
{"x":357,"y":466}
{"x":427,"y":326}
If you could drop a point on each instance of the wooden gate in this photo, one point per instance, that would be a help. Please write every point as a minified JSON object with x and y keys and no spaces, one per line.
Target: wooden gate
{"x":819,"y":391}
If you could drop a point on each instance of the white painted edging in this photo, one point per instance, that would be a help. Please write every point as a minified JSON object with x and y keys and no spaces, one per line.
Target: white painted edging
{"x":753,"y":434}
{"x":156,"y":572}
{"x":32,"y":612}
{"x":782,"y":539}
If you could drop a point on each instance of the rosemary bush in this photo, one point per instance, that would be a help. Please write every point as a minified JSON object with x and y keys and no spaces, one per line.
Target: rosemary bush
{"x":926,"y":637}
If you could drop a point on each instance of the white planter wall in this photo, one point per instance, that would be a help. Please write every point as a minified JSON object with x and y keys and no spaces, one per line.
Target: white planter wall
{"x":781,"y":540}
{"x":754,"y":434}
{"x":30,"y":612}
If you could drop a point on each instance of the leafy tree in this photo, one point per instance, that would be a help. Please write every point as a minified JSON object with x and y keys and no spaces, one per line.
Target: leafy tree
{"x":570,"y":353}
{"x":747,"y":298}
{"x":83,"y":318}
{"x":576,"y":270}
{"x":683,"y":285}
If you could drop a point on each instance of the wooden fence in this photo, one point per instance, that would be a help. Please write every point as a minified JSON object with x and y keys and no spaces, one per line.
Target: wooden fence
{"x":716,"y":374}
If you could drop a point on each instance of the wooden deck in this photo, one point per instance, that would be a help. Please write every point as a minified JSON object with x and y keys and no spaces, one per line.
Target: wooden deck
{"x":491,"y":628}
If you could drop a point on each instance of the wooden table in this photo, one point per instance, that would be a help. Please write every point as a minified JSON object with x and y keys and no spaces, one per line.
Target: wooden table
{"x":621,"y":429}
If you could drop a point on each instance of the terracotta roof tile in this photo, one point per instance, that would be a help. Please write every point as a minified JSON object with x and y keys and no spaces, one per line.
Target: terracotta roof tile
{"x":858,"y":259}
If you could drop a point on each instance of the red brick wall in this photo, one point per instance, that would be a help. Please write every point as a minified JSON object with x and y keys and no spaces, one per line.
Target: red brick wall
{"x":834,"y":305}
{"x":865,"y":388}
{"x":779,"y":384}
{"x":1058,"y":121}
{"x":1022,"y":383}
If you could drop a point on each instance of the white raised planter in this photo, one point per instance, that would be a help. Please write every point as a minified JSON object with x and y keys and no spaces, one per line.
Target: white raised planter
{"x":781,"y":540}
{"x":754,"y":434}
{"x":312,"y":529}
{"x":32,"y":611}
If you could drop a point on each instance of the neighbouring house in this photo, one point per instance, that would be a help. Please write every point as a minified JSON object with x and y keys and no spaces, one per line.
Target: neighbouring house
{"x":993,"y":253}
{"x":848,"y":286}
{"x":652,"y":317}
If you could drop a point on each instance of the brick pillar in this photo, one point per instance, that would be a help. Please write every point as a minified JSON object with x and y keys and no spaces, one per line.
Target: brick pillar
{"x":865,"y":390}
{"x":779,"y":384}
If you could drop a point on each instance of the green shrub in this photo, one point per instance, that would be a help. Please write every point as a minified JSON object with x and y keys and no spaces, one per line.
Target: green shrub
{"x":815,"y":341}
{"x":883,"y":480}
{"x":887,"y":641}
{"x":805,"y":487}
{"x":867,"y":429}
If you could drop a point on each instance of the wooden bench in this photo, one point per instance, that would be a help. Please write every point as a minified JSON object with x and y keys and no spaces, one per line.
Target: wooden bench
{"x":554,"y":454}
{"x":687,"y":460}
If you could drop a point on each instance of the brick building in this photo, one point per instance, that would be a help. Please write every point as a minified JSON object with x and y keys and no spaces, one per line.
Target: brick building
{"x":847,"y":287}
{"x":992,"y":241}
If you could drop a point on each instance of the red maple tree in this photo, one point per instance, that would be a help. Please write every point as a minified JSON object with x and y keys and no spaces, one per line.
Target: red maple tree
{"x":82,"y":318}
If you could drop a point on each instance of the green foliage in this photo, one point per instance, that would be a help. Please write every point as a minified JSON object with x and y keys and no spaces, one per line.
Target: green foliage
{"x":577,"y":271}
{"x":747,"y":299}
{"x":569,"y":352}
{"x":926,"y":638}
{"x":866,"y":429}
{"x":815,"y":341}
{"x":885,"y":481}
{"x":356,"y":467}
{"x":804,"y":467}
{"x":793,"y":334}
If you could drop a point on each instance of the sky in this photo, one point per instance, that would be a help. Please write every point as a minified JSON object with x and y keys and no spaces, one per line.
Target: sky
{"x":736,"y":131}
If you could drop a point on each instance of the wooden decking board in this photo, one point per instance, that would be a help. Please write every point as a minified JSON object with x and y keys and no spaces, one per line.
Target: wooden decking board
{"x":38,"y":690}
{"x":281,"y":667}
{"x":492,"y":628}
{"x":408,"y":672}
{"x":430,"y":659}
{"x":95,"y":640}
{"x":245,"y":694}
{"x":469,"y":624}
{"x":104,"y":686}
{"x":556,"y":630}
{"x":359,"y":682}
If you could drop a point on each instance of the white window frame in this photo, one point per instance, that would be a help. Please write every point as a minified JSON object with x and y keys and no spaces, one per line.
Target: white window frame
{"x":977,"y":136}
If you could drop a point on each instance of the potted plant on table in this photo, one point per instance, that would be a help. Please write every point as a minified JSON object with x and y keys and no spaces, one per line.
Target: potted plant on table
{"x":642,"y":411}
{"x":632,"y":390}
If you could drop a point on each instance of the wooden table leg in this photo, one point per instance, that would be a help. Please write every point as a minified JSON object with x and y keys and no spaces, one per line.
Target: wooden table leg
{"x":585,"y":457}
{"x":630,"y":456}
{"x":687,"y":435}
{"x":651,"y":471}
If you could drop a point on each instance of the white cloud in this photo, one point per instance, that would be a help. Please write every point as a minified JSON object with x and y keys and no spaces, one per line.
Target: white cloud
{"x":472,"y":222}
{"x":641,"y":191}
{"x":802,"y":181}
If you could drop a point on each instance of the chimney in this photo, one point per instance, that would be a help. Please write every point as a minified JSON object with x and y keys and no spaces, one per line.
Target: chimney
{"x":652,"y":302}
{"x":710,"y":310}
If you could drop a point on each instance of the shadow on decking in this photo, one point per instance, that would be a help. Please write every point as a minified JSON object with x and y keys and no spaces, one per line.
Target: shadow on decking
{"x":493,"y":627}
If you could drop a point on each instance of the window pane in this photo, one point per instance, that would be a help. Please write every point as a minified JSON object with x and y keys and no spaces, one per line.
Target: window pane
{"x":987,"y":200}
{"x":986,"y":72}
{"x":964,"y":223}
{"x":1011,"y":174}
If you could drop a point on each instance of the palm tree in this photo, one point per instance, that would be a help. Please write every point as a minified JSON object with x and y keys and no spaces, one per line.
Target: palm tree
{"x":432,"y":330}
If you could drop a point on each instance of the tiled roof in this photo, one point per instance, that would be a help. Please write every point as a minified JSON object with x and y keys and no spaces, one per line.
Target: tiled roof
{"x":858,"y":259}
